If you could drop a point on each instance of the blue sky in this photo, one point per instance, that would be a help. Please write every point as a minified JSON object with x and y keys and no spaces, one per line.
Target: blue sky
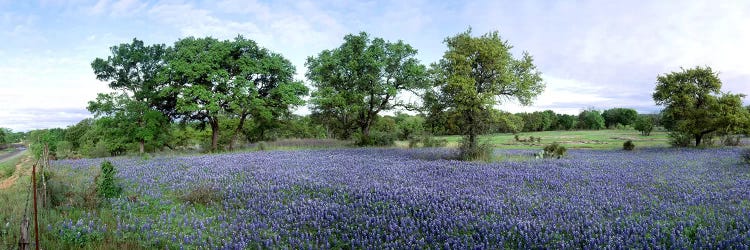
{"x":592,"y":53}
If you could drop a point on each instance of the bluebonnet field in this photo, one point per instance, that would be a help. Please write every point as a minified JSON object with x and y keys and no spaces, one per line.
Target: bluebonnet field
{"x":397,"y":198}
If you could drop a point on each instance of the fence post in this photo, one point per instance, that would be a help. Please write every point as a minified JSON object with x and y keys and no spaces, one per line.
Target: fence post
{"x":36,"y":217}
{"x":23,"y":241}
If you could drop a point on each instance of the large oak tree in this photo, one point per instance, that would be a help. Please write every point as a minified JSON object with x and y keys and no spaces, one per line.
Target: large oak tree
{"x":695,"y":105}
{"x":213,"y":80}
{"x":361,"y":78}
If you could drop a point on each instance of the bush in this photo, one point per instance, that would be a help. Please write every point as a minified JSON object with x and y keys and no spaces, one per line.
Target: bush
{"x":732,"y":141}
{"x":677,"y":139}
{"x":377,"y":138}
{"x":106,"y":187}
{"x":554,"y":150}
{"x":427,"y":141}
{"x":482,"y":152}
{"x":628,"y":145}
{"x":64,"y":150}
{"x":202,"y":194}
{"x":746,"y":155}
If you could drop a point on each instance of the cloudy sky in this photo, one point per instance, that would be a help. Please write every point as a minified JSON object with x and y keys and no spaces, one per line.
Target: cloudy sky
{"x":592,"y":53}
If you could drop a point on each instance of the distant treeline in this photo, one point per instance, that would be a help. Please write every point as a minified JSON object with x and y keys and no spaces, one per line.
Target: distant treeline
{"x":98,"y":138}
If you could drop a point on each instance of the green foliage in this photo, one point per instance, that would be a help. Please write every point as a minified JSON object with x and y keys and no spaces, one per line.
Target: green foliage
{"x":566,"y":122}
{"x":480,"y":152}
{"x":539,"y":121}
{"x":361,"y":78}
{"x":106,"y":185}
{"x":64,"y":149}
{"x":212,"y":78}
{"x":590,"y":119}
{"x":731,"y":140}
{"x":505,"y":122}
{"x":48,"y":137}
{"x":645,"y":125}
{"x":554,"y":150}
{"x":409,"y":126}
{"x":426,"y":140}
{"x":376,"y":138}
{"x":475,"y":74}
{"x":679,"y":139}
{"x":695,"y":106}
{"x":137,"y":111}
{"x":3,"y":136}
{"x":622,"y":116}
{"x":628,"y":145}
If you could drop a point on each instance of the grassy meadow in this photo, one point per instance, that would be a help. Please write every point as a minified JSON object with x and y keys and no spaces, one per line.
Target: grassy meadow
{"x":577,"y":139}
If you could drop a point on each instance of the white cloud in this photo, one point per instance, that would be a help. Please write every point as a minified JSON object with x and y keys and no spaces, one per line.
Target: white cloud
{"x":118,"y":8}
{"x":193,"y":21}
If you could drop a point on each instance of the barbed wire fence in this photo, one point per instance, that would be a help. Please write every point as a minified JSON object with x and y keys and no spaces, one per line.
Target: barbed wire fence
{"x":32,"y":200}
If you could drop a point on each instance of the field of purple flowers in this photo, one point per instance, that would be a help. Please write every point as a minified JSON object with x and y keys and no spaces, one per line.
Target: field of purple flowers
{"x":397,"y":198}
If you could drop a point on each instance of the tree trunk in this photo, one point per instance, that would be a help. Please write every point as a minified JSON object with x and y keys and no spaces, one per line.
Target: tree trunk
{"x":366,"y":134}
{"x":237,"y":131}
{"x":698,"y":138}
{"x":141,"y":146}
{"x":214,"y":135}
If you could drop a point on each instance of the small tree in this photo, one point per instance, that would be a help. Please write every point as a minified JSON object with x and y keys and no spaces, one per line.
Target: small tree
{"x":107,"y":187}
{"x":475,"y":74}
{"x":645,"y":125}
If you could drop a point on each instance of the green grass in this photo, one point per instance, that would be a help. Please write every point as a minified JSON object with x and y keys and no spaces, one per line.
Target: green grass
{"x":8,"y":166}
{"x":578,"y":139}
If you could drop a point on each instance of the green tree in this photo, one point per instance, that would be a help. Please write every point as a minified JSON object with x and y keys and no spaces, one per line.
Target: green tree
{"x":506,"y":122}
{"x":214,"y":80}
{"x":477,"y":73}
{"x":361,"y":78}
{"x":129,"y":121}
{"x":566,"y":122}
{"x":133,"y":69}
{"x":695,"y":105}
{"x":262,"y":87}
{"x":3,"y":136}
{"x":590,"y":119}
{"x":622,"y":116}
{"x":644,"y":124}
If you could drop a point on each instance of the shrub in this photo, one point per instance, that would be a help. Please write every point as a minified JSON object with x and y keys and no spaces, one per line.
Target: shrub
{"x":482,"y":152}
{"x":427,"y":141}
{"x":731,"y":141}
{"x":202,"y":194}
{"x":106,"y":186}
{"x":677,"y":139}
{"x":377,"y":138}
{"x":262,"y":146}
{"x":628,"y":145}
{"x":64,"y":150}
{"x":554,"y":150}
{"x":746,"y":155}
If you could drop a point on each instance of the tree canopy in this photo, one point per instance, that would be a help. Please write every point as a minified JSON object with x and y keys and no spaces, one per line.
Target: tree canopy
{"x":214,"y":79}
{"x":695,"y":105}
{"x":361,"y":78}
{"x":477,"y":73}
{"x":133,"y":70}
{"x":621,"y":116}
